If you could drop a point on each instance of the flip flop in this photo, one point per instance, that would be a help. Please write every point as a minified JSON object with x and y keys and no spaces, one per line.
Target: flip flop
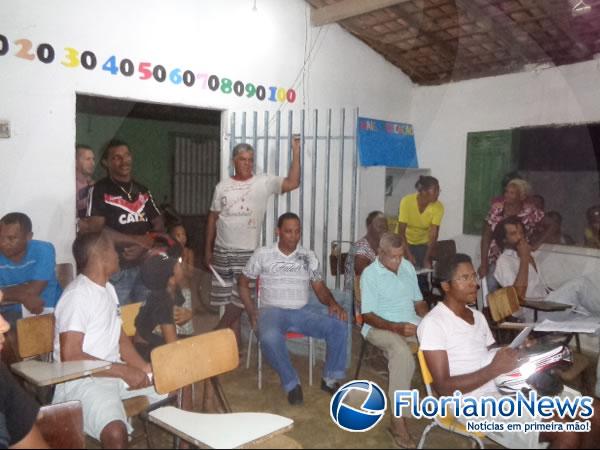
{"x":399,"y":442}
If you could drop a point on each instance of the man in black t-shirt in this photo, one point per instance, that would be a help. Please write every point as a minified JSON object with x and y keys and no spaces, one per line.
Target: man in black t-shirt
{"x":125,"y":207}
{"x":18,"y":411}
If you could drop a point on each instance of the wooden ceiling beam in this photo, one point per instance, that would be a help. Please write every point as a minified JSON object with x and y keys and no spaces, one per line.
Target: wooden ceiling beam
{"x":346,"y":9}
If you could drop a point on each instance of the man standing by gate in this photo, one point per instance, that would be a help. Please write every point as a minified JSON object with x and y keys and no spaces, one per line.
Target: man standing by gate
{"x":235,"y":223}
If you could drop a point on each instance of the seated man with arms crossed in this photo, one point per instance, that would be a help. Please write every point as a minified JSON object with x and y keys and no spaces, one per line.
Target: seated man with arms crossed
{"x":89,"y":327}
{"x":455,"y":341}
{"x":27,"y":269}
{"x":391,"y":306}
{"x":286,"y":271}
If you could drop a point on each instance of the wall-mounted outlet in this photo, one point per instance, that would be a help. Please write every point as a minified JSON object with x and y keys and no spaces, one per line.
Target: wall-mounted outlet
{"x":4,"y":129}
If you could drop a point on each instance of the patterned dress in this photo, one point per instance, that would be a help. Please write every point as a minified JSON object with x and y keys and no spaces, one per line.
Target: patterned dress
{"x":530,"y":217}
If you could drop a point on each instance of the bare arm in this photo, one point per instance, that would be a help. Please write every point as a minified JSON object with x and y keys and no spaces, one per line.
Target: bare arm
{"x":28,"y":294}
{"x":522,"y":280}
{"x":94,"y":224}
{"x":130,"y":355}
{"x":486,"y":240}
{"x":211,"y":234}
{"x":325,"y":297}
{"x":402,"y":232}
{"x":71,"y":349}
{"x":431,"y":245}
{"x":421,"y":308}
{"x":293,"y":179}
{"x":34,"y":439}
{"x":505,"y":360}
{"x":402,"y":328}
{"x":97,"y":224}
{"x":169,"y":333}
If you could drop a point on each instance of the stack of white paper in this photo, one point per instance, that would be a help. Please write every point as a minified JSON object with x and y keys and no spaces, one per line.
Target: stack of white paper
{"x":590,"y":325}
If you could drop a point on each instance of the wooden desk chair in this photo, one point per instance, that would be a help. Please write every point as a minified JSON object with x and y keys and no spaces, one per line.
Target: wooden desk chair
{"x":35,"y":338}
{"x":504,"y":303}
{"x":449,"y":422}
{"x":61,"y":425}
{"x":359,"y":320}
{"x":194,"y":359}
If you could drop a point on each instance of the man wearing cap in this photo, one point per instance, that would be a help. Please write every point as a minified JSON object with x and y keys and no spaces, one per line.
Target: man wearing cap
{"x":234,"y":226}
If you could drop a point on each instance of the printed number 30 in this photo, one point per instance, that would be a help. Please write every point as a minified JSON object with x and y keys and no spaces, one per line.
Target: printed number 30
{"x":72,"y":58}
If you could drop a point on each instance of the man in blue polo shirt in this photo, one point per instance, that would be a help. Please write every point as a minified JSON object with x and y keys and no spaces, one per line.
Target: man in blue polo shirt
{"x":27,"y":277}
{"x":391,"y":308}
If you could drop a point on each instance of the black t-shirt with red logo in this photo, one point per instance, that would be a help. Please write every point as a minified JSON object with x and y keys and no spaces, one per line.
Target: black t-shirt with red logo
{"x":127,"y":207}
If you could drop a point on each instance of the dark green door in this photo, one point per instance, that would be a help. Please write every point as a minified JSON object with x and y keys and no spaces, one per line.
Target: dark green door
{"x":490,"y":156}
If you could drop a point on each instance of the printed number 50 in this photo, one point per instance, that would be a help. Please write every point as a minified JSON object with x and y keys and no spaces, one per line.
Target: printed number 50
{"x":144,"y":69}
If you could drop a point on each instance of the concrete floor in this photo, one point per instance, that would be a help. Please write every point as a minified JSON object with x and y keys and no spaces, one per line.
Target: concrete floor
{"x":313,"y":427}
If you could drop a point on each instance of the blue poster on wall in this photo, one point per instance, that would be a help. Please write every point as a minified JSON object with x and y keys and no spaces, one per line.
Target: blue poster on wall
{"x":390,"y":144}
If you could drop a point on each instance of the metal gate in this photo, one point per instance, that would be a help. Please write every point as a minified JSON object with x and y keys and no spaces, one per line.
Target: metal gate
{"x":196,"y":174}
{"x":326,"y":200}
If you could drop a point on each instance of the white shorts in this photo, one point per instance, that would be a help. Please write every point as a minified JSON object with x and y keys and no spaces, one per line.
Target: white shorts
{"x":101,"y":401}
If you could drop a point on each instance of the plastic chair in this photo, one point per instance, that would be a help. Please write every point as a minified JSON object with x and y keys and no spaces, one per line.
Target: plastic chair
{"x":290,"y":335}
{"x":449,"y":422}
{"x":198,"y":358}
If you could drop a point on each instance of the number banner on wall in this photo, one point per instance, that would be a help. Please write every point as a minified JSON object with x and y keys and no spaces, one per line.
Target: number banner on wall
{"x":88,"y":60}
{"x":389,"y":144}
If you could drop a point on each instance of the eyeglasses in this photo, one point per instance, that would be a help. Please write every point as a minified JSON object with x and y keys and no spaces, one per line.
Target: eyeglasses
{"x":466,"y":278}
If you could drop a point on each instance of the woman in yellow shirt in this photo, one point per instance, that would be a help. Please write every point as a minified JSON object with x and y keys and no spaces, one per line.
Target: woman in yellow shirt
{"x":419,"y":221}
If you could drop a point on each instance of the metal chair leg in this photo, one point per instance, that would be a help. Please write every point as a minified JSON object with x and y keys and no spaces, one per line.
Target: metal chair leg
{"x":220,"y":394}
{"x":250,"y":336}
{"x":360,"y":357}
{"x":310,"y":361}
{"x":426,"y":431}
{"x":259,"y":366}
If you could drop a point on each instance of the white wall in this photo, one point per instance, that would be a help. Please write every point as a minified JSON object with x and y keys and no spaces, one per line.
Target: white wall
{"x":443,"y":115}
{"x":213,"y":36}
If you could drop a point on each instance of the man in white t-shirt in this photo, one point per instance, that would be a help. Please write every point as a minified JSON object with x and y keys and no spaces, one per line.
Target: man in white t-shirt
{"x":517,"y":266}
{"x":89,"y":327}
{"x":455,"y":341}
{"x":286,"y":272}
{"x":234,"y":226}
